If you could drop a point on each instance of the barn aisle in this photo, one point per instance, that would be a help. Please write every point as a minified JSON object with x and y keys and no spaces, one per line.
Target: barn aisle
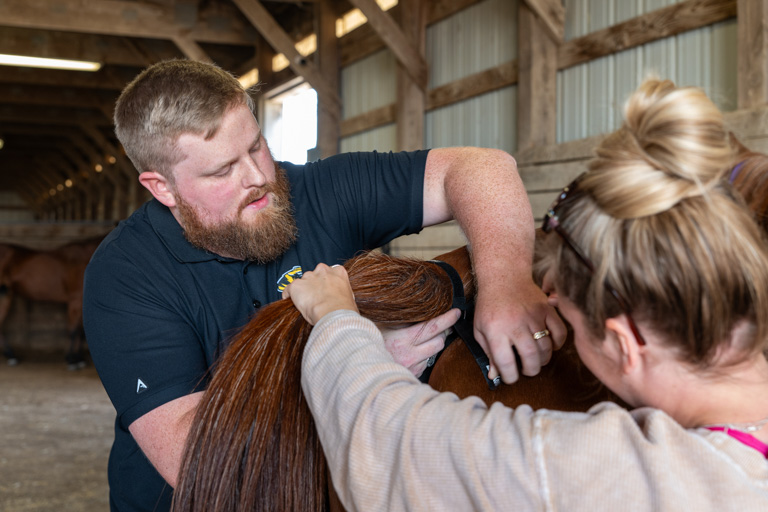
{"x":56,"y":429}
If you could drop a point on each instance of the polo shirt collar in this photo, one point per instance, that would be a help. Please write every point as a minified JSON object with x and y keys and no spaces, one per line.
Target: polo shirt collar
{"x":172,"y":235}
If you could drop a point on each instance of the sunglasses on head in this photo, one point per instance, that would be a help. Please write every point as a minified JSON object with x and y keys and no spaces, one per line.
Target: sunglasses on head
{"x":552,"y":223}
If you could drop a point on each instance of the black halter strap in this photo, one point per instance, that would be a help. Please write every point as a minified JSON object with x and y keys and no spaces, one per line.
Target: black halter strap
{"x":463,"y":327}
{"x":459,"y":301}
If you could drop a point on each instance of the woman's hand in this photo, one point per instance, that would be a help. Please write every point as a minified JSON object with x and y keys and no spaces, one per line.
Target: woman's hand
{"x":322,"y":291}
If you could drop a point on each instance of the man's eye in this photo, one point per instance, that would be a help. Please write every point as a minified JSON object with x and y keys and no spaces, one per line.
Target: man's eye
{"x":224,"y":172}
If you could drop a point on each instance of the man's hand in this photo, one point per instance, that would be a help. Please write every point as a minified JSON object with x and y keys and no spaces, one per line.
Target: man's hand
{"x":412,"y":346}
{"x":510,"y":319}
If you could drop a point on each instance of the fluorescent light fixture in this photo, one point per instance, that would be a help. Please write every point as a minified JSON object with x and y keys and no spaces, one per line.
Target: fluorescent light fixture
{"x":37,"y":62}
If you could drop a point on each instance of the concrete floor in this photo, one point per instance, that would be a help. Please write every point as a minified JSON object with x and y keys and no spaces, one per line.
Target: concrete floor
{"x":56,"y":429}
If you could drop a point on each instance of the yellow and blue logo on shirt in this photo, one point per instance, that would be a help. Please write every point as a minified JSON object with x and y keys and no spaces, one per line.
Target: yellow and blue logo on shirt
{"x":288,"y":277}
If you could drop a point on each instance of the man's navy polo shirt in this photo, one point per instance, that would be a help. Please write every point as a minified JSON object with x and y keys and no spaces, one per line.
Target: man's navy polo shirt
{"x":158,"y":310}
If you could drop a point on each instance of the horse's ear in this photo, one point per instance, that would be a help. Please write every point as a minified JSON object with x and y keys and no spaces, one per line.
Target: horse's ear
{"x":159,"y":186}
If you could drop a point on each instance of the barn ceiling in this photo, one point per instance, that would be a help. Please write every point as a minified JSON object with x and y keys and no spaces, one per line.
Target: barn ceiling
{"x":56,"y":125}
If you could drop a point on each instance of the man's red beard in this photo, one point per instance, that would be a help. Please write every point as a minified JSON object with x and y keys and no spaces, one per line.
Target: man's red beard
{"x":263,"y":239}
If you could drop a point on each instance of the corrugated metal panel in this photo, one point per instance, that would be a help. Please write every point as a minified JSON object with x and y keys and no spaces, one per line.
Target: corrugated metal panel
{"x":477,"y":38}
{"x":489,"y":120}
{"x":383,"y":138}
{"x":368,"y":84}
{"x":591,"y":96}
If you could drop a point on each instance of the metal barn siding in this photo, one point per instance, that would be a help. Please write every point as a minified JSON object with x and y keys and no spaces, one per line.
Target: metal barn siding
{"x":368,"y":84}
{"x":489,"y":120}
{"x":590,"y":96}
{"x":475,"y":39}
{"x":383,"y":138}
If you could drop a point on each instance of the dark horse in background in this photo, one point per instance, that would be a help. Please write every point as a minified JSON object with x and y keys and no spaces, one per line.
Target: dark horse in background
{"x":53,"y":276}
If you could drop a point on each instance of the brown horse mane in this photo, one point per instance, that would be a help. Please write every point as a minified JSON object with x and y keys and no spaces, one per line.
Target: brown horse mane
{"x":252,"y":444}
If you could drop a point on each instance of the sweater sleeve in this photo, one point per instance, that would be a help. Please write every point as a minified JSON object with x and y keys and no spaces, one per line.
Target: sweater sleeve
{"x":395,"y":444}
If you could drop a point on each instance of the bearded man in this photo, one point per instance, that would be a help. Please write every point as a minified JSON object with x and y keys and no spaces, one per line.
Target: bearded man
{"x":228,"y":229}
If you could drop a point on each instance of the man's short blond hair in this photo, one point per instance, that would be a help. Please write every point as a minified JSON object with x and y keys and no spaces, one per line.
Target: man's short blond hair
{"x":167,"y":100}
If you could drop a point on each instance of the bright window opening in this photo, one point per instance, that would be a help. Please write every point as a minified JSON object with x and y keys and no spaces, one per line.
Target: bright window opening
{"x":290,"y":123}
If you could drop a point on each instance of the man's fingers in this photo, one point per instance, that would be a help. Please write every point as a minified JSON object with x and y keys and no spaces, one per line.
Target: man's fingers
{"x":530,"y":355}
{"x":502,"y":360}
{"x":557,"y":329}
{"x":441,"y":324}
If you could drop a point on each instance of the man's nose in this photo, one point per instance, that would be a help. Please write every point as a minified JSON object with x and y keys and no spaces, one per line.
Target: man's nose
{"x":252,"y":175}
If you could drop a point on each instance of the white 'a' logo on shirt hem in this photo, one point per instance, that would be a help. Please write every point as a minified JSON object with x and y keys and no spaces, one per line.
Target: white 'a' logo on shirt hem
{"x":140,"y":387}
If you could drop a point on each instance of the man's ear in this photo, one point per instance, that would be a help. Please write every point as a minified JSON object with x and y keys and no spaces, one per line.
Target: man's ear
{"x":626,"y":348}
{"x":159,"y":186}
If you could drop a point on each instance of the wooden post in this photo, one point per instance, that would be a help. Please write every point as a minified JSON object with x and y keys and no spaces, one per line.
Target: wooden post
{"x":411,"y":98}
{"x":328,"y":112}
{"x":752,"y":53}
{"x":537,"y":82}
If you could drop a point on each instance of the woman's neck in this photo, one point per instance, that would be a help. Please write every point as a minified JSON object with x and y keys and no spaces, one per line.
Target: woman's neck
{"x":735,"y":398}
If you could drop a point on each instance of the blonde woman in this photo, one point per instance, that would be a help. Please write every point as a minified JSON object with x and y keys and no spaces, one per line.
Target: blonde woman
{"x":663,"y":275}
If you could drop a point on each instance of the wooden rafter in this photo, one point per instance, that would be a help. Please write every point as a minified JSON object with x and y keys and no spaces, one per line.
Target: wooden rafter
{"x":190,"y":48}
{"x":552,"y":15}
{"x":117,"y":17}
{"x":393,"y":36}
{"x":282,"y":42}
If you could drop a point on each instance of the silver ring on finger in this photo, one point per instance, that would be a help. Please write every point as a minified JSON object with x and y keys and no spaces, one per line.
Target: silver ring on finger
{"x":540,"y":334}
{"x":431,"y":360}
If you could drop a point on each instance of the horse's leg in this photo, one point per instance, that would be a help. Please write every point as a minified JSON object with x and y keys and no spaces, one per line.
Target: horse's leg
{"x":5,"y":306}
{"x":75,"y":359}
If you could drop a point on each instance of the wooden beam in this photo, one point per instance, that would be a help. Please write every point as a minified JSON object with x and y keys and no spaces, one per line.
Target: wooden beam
{"x":552,"y":15}
{"x":106,"y":78}
{"x":264,"y":56}
{"x":125,"y":18}
{"x":35,"y":114}
{"x":61,"y":96}
{"x":190,"y":48}
{"x":491,"y":79}
{"x":69,"y":45}
{"x":411,"y":97}
{"x":752,"y":53}
{"x":329,"y":113}
{"x":590,"y":47}
{"x":537,"y":82}
{"x":368,"y":120}
{"x":363,"y":41}
{"x":655,"y":25}
{"x":281,"y":42}
{"x":401,"y":45}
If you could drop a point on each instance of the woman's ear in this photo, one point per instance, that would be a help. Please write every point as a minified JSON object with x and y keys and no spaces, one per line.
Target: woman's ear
{"x":159,"y":186}
{"x":625,"y":346}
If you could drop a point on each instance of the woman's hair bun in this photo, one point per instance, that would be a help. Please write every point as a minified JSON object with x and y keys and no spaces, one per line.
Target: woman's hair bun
{"x":673,"y":145}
